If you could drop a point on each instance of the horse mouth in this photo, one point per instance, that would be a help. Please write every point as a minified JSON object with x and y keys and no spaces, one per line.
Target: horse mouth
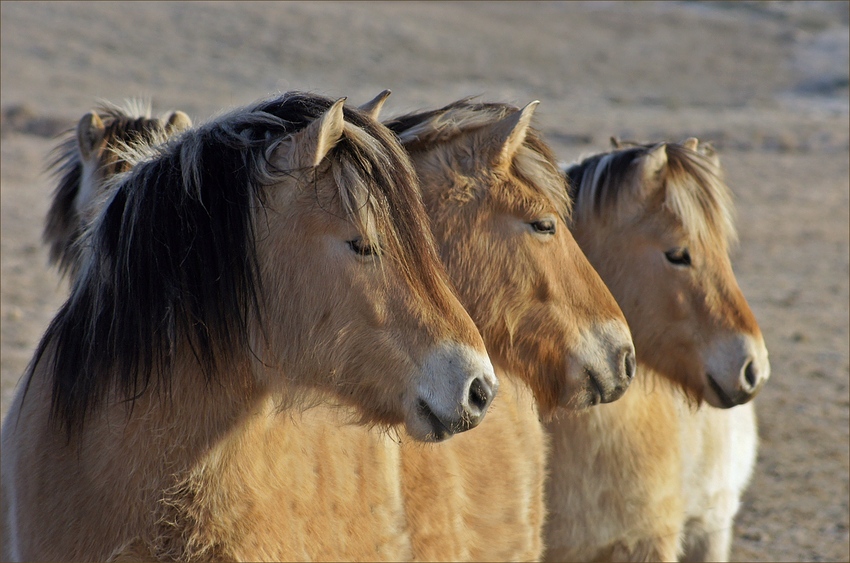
{"x":725,"y":399}
{"x":439,"y":430}
{"x":596,"y":393}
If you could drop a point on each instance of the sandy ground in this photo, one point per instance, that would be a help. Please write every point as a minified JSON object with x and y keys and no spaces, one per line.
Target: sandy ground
{"x":767,"y":83}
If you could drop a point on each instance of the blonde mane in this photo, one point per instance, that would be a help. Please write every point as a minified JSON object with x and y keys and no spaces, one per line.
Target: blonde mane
{"x":533,"y":162}
{"x":694,"y":190}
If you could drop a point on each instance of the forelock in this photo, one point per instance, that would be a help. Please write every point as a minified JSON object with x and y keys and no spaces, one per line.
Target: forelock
{"x":534,"y":161}
{"x":694,"y":190}
{"x":698,"y":195}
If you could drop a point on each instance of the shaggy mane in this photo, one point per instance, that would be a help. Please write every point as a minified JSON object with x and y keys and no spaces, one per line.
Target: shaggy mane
{"x":534,"y":162}
{"x":173,"y":265}
{"x":694,"y":189}
{"x":127,"y":124}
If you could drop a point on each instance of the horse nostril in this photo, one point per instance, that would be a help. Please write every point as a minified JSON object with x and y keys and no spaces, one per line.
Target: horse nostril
{"x":480,"y":395}
{"x":629,"y":363}
{"x":750,"y":375}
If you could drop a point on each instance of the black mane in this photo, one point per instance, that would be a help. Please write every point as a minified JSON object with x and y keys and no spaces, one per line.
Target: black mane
{"x":63,"y":228}
{"x":173,"y":262}
{"x":606,"y":192}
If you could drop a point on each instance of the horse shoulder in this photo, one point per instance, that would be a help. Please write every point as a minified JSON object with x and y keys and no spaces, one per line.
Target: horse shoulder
{"x":57,"y":492}
{"x":299,"y":486}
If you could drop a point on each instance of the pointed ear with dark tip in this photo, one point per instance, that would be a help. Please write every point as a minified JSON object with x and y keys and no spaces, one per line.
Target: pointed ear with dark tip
{"x":311,"y":145}
{"x":373,"y":106}
{"x":507,"y":135}
{"x":90,"y":132}
{"x":691,"y":143}
{"x":177,"y":122}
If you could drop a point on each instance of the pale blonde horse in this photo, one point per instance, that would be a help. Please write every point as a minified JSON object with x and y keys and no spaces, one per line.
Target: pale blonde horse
{"x":659,"y":474}
{"x":86,"y":158}
{"x":278,"y":251}
{"x":498,"y":205}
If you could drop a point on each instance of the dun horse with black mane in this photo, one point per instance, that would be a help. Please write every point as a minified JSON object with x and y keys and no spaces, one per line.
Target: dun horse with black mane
{"x":351,"y":493}
{"x":279,"y":251}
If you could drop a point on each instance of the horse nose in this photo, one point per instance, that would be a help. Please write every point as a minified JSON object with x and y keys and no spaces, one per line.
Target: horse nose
{"x":751,"y":378}
{"x":479,"y":396}
{"x":628,"y":363}
{"x":458,"y":384}
{"x":624,"y":372}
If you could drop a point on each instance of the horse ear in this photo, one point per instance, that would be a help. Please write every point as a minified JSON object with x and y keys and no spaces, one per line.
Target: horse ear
{"x":615,"y":143}
{"x":90,"y":132}
{"x":373,"y":106}
{"x":311,"y":145}
{"x":177,"y":122}
{"x":509,"y":133}
{"x":653,"y":164}
{"x":691,"y":143}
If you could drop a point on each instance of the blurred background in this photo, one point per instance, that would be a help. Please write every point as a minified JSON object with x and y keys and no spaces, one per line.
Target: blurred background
{"x":766,"y":82}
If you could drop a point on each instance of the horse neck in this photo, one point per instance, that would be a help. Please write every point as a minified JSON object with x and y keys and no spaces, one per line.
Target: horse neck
{"x":166,"y":432}
{"x":193,"y":414}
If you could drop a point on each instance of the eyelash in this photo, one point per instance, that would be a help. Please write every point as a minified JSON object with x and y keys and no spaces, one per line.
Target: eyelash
{"x":544,"y":226}
{"x":360,"y":248}
{"x":679,"y":256}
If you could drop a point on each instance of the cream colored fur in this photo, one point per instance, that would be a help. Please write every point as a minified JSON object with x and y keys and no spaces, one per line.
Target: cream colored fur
{"x":342,"y":492}
{"x":657,"y":475}
{"x":655,"y":488}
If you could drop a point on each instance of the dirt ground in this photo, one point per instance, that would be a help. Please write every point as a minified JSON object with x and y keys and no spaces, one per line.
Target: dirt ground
{"x":767,"y":83}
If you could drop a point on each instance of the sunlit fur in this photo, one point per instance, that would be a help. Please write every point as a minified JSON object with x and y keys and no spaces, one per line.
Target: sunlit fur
{"x":668,"y":468}
{"x":218,"y":289}
{"x":481,"y":206}
{"x":484,"y":177}
{"x":82,"y":169}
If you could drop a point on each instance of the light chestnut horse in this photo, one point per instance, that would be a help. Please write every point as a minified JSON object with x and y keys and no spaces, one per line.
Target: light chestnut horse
{"x":277,"y":252}
{"x":87,"y":157}
{"x":668,"y":463}
{"x":498,"y":204}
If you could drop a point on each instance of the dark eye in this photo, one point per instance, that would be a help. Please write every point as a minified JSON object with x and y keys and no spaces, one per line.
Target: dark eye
{"x":679,"y":256}
{"x":360,"y":247}
{"x":543,"y":226}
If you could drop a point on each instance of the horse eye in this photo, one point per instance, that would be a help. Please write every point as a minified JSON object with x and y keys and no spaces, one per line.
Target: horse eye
{"x":544,"y":226}
{"x":679,"y":256}
{"x":360,"y":247}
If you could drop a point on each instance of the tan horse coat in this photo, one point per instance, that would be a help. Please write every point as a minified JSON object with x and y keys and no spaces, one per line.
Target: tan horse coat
{"x":491,"y":188}
{"x":478,"y":496}
{"x":191,"y":471}
{"x":659,"y":474}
